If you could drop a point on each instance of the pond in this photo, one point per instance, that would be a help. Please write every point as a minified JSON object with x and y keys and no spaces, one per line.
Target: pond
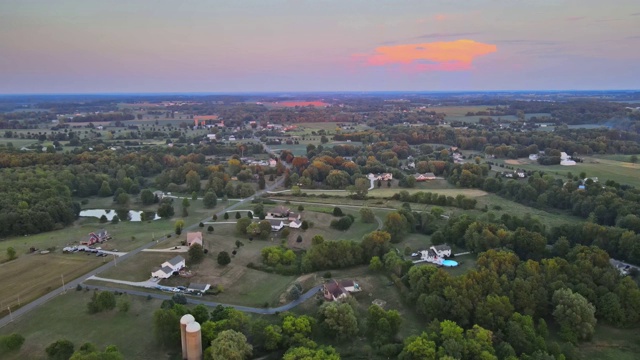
{"x":134,"y":215}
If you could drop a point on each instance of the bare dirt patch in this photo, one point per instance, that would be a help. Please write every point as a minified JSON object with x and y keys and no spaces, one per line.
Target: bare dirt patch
{"x":513,"y":162}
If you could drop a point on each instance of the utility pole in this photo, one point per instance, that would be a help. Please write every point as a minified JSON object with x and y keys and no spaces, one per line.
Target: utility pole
{"x":10,"y":314}
{"x":63,"y":288}
{"x":115,"y":260}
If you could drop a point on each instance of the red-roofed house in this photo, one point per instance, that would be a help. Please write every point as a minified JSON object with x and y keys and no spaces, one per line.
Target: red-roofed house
{"x":194,"y":238}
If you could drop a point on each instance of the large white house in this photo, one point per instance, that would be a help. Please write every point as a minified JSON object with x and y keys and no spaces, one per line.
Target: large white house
{"x":169,"y":267}
{"x":442,"y":250}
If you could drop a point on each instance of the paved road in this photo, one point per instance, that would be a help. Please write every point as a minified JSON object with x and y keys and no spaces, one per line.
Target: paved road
{"x":72,"y":284}
{"x":196,"y":301}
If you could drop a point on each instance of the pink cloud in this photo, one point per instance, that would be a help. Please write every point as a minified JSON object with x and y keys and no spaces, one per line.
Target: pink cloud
{"x":434,"y":56}
{"x":441,"y":17}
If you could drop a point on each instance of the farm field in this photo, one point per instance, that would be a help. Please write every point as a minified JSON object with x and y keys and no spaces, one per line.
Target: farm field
{"x":603,"y":169}
{"x":131,"y":332}
{"x":35,"y":275}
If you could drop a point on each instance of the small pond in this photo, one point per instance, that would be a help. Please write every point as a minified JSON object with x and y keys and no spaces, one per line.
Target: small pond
{"x":134,"y":215}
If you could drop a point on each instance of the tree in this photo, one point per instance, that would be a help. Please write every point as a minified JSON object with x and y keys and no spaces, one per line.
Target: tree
{"x":305,"y":353}
{"x":210,"y":229}
{"x":338,"y":319}
{"x":300,"y":208}
{"x":337,"y":211}
{"x":146,"y":196}
{"x":238,"y":216}
{"x":123,"y":304}
{"x":178,"y":226}
{"x":115,"y":219}
{"x":60,"y":350}
{"x":103,"y":219}
{"x":376,"y":264}
{"x":200,"y":313}
{"x":210,"y":200}
{"x":105,"y":189}
{"x":574,"y":314}
{"x":11,"y":253}
{"x":89,"y":351}
{"x":223,"y":258}
{"x":265,"y":229}
{"x":317,"y":240}
{"x":226,"y":216}
{"x":229,"y":345}
{"x":375,"y":243}
{"x":418,"y":348}
{"x":11,"y":343}
{"x":396,"y":225}
{"x":196,"y":253}
{"x":299,"y":239}
{"x":304,"y":225}
{"x":242,"y":225}
{"x":261,"y":182}
{"x":633,"y":159}
{"x":122,"y":199}
{"x":367,"y":216}
{"x":249,"y":215}
{"x":193,"y":181}
{"x":165,"y":209}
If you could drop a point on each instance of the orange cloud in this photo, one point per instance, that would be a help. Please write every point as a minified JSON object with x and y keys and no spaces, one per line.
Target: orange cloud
{"x":441,"y":17}
{"x":435,"y":56}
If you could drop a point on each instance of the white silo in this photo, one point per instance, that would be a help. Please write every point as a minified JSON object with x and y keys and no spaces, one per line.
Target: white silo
{"x":194,"y":341}
{"x":184,"y":321}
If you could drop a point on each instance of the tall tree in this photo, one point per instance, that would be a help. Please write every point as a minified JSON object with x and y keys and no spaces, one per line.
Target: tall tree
{"x":229,"y":345}
{"x":574,"y":314}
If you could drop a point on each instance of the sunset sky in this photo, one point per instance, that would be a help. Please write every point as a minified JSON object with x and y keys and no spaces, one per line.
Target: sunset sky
{"x":89,"y":46}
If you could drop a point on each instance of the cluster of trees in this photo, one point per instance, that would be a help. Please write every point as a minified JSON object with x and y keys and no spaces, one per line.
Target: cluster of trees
{"x":460,"y":201}
{"x":511,"y":297}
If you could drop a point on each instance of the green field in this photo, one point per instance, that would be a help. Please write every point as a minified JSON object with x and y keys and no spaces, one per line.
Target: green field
{"x":65,"y":317}
{"x":602,"y":168}
{"x":612,"y":344}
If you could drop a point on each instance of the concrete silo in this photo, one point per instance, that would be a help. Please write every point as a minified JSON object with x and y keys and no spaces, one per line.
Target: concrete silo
{"x":184,"y":321}
{"x":194,"y":341}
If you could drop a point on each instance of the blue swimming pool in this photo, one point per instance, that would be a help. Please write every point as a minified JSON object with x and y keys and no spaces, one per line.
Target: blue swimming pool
{"x":449,"y":263}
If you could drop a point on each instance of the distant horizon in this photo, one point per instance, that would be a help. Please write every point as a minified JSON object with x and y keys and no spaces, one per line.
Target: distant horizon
{"x":285,"y":92}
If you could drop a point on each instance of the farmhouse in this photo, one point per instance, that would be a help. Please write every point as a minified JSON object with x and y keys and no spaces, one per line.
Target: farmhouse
{"x":96,"y":237}
{"x":194,"y":238}
{"x":425,"y":177}
{"x":383,"y":176}
{"x":295,"y":224}
{"x":159,"y":194}
{"x":276,"y":225}
{"x":169,"y":267}
{"x":278,"y":212}
{"x":334,"y":290}
{"x":441,"y":250}
{"x":533,"y":157}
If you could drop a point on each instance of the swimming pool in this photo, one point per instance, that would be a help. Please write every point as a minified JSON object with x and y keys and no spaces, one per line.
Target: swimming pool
{"x":449,"y":263}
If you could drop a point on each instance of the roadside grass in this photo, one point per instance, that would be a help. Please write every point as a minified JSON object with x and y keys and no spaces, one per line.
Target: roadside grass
{"x":31,"y":276}
{"x":65,"y":317}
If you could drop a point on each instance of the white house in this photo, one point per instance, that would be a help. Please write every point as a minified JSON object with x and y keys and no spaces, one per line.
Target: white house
{"x":232,"y":138}
{"x":521,"y":174}
{"x":533,"y":157}
{"x":567,"y":162}
{"x":276,"y":225}
{"x":425,"y":177}
{"x":169,"y":267}
{"x":295,"y":224}
{"x":564,"y":156}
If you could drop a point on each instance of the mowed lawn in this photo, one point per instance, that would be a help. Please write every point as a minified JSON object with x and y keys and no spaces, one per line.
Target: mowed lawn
{"x":139,"y":267}
{"x":31,"y":276}
{"x":65,"y":317}
{"x":604,"y":169}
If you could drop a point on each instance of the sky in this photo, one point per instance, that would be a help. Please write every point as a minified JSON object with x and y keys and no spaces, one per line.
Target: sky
{"x":160,"y":46}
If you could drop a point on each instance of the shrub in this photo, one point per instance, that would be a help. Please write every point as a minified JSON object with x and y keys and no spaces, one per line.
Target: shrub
{"x":343,"y":223}
{"x":10,"y":343}
{"x":60,"y":350}
{"x":179,"y":299}
{"x":327,"y":275}
{"x":224,"y":258}
{"x":337,"y":211}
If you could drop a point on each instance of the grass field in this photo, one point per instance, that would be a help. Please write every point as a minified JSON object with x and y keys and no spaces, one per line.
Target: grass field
{"x":612,"y":344}
{"x":602,"y":168}
{"x":34,"y":275}
{"x":65,"y":317}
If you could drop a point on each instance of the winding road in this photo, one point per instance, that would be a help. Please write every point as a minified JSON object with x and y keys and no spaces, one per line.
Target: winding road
{"x":195,"y":301}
